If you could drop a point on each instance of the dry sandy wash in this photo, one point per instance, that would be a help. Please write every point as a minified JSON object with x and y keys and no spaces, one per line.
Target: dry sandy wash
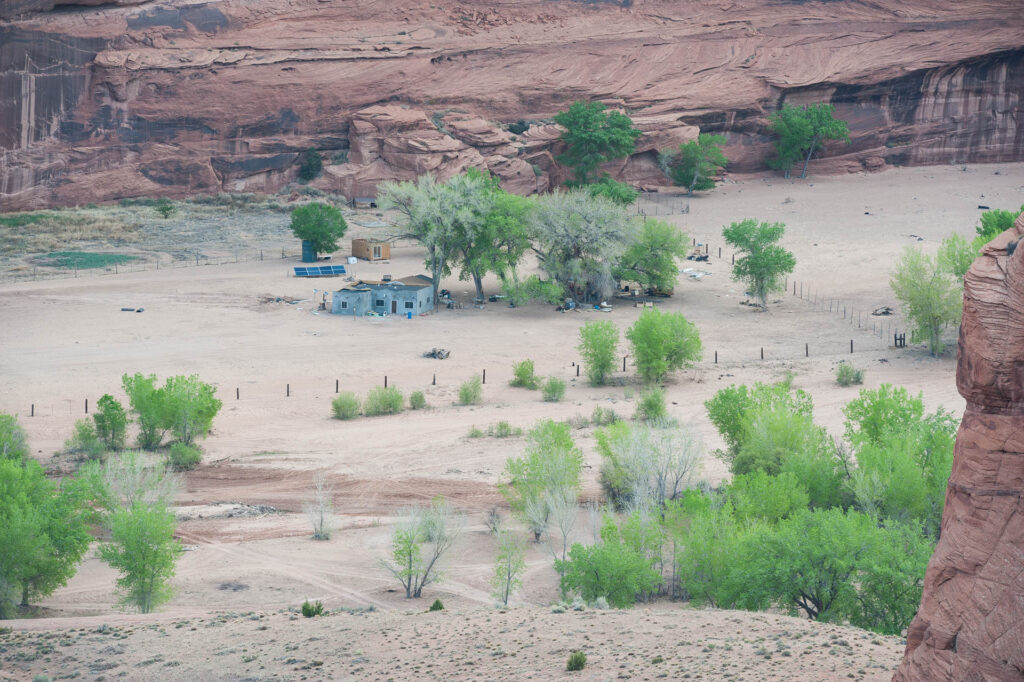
{"x":64,"y":341}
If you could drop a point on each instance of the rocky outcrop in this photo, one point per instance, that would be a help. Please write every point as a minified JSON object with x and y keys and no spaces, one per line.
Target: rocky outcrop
{"x":971,"y":622}
{"x":209,"y":96}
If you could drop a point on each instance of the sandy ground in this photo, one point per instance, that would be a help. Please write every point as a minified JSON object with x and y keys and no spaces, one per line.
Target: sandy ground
{"x":65,"y":341}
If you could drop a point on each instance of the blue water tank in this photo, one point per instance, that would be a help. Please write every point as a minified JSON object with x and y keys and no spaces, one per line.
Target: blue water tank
{"x":308,"y":252}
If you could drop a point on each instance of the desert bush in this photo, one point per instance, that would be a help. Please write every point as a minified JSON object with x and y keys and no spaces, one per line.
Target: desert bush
{"x":311,"y":609}
{"x":523,"y":375}
{"x":598,"y":343}
{"x":84,"y":441}
{"x":662,"y":343}
{"x":847,"y":374}
{"x":651,"y":405}
{"x":493,"y":520}
{"x":345,"y":406}
{"x":437,"y":605}
{"x":183,"y":457}
{"x":110,"y":420}
{"x":503,"y":430}
{"x":475,"y":432}
{"x":646,"y":464}
{"x":382,"y":400}
{"x":471,"y":392}
{"x":553,"y":389}
{"x":601,"y":604}
{"x":320,"y":508}
{"x":603,"y":416}
{"x":417,"y":401}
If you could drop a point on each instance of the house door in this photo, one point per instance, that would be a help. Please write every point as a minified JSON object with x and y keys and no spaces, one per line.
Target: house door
{"x":394,"y":307}
{"x":376,"y":253}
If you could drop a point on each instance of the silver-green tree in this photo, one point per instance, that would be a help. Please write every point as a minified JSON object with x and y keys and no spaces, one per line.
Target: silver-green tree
{"x":932,"y":298}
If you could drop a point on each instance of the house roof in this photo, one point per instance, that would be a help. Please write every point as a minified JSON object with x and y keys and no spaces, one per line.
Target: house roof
{"x":415,"y":281}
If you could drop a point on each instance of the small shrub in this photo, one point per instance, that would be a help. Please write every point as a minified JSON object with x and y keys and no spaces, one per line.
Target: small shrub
{"x":603,"y":416}
{"x":437,"y":605}
{"x":345,"y":406}
{"x":601,"y":604}
{"x":382,"y":400}
{"x":558,"y":608}
{"x":523,"y":375}
{"x":503,"y":430}
{"x":474,"y":432}
{"x":471,"y":392}
{"x":311,"y":165}
{"x":553,"y":390}
{"x":651,"y":405}
{"x":847,"y":374}
{"x":578,"y":604}
{"x":84,"y":441}
{"x":164,"y":207}
{"x":417,"y":400}
{"x":312,"y":609}
{"x":493,"y":520}
{"x":577,"y":661}
{"x":182,"y":457}
{"x":110,"y":420}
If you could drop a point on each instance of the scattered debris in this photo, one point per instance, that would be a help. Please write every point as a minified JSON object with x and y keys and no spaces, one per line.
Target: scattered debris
{"x":884,"y":310}
{"x":438,"y":353}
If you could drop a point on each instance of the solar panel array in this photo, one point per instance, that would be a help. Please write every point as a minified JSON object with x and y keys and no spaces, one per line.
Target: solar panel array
{"x":320,"y":271}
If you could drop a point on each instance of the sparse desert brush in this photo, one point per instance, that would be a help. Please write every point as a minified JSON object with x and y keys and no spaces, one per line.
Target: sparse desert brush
{"x":503,"y":430}
{"x":553,"y":390}
{"x":603,"y":416}
{"x":417,"y":400}
{"x":601,"y":604}
{"x":382,"y":400}
{"x":493,"y":520}
{"x":474,"y":432}
{"x":577,"y":661}
{"x":471,"y":392}
{"x":182,"y":457}
{"x":345,"y":406}
{"x":651,"y":405}
{"x":310,"y":609}
{"x":437,"y":605}
{"x":848,"y":375}
{"x":523,"y":375}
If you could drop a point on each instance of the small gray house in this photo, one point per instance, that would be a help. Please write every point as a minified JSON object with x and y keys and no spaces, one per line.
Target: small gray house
{"x":414,"y":294}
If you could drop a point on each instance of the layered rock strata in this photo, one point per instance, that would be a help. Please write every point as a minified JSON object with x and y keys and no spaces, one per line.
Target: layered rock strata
{"x":971,"y":622}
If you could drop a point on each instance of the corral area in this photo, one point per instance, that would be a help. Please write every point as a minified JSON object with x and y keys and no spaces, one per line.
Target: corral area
{"x":256,"y":332}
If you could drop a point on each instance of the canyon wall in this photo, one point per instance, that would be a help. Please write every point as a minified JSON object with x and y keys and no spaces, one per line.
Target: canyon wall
{"x":970,"y":625}
{"x":139,"y":98}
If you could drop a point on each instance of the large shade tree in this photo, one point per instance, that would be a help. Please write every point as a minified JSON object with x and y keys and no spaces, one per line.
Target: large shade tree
{"x":593,"y":136}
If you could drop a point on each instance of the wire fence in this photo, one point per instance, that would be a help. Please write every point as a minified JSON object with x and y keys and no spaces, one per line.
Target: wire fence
{"x":192,"y":260}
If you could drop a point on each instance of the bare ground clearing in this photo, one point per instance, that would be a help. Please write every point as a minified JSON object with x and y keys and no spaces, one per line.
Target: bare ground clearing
{"x":67,"y":340}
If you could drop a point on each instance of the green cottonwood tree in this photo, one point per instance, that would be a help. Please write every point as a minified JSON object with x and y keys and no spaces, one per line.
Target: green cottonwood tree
{"x":802,"y":131}
{"x":694,"y":164}
{"x":594,"y":136}
{"x":662,"y":343}
{"x":763,"y":262}
{"x":650,"y":260}
{"x":319,"y":223}
{"x":142,"y":547}
{"x":598,"y":343}
{"x":932,"y":298}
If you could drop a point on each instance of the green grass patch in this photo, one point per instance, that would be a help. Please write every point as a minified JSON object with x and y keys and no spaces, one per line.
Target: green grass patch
{"x":84,"y":260}
{"x":23,"y":219}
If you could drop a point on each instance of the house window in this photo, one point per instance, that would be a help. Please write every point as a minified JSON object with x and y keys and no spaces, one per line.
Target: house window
{"x":408,"y":304}
{"x":379,"y":302}
{"x":376,"y":252}
{"x":344,"y":305}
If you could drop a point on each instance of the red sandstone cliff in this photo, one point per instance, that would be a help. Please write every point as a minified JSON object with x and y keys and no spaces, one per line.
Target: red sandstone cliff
{"x":971,"y":622}
{"x":181,"y":96}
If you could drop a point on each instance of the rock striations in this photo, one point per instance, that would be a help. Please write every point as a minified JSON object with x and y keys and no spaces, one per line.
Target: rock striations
{"x":100,"y":100}
{"x":971,"y":622}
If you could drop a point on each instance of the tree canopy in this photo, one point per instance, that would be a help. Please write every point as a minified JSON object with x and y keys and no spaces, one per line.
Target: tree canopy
{"x":802,"y":131}
{"x":694,"y":164}
{"x":592,"y":137}
{"x":932,"y":297}
{"x":763,"y":262}
{"x":650,"y":260}
{"x":319,"y":223}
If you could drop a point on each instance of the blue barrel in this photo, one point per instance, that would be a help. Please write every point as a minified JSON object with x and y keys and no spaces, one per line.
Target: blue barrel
{"x":408,"y":315}
{"x":308,"y":252}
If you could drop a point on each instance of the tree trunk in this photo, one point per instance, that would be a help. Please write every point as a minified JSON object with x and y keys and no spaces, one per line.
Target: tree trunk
{"x":479,"y":283}
{"x":810,"y":151}
{"x":24,"y":595}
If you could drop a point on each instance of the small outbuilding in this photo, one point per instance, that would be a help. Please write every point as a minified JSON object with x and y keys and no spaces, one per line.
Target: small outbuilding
{"x":370,"y":249}
{"x":414,"y":294}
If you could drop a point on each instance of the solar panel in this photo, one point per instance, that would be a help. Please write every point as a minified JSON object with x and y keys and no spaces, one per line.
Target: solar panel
{"x":301,"y":272}
{"x":338,"y":269}
{"x":320,"y":271}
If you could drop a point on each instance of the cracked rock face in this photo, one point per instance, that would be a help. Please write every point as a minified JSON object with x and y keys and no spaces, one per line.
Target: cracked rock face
{"x":971,"y":622}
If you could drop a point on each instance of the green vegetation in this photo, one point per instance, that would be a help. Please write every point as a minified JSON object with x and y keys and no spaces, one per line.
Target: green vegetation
{"x":84,"y":442}
{"x":599,"y":342}
{"x":421,"y":538}
{"x":164,"y":207}
{"x":646,"y":465}
{"x":613,"y":190}
{"x":956,"y":254}
{"x":471,"y":392}
{"x":523,"y":375}
{"x":312,"y":609}
{"x":763,"y":263}
{"x":436,"y":605}
{"x":553,"y":389}
{"x":184,"y":405}
{"x":311,"y":165}
{"x":932,"y":298}
{"x":995,"y":222}
{"x":592,"y":137}
{"x":663,"y":343}
{"x":83,"y":260}
{"x":382,"y":400}
{"x":111,"y":421}
{"x":182,"y":457}
{"x":417,"y":401}
{"x":319,"y":223}
{"x":848,"y":375}
{"x":650,"y":405}
{"x":345,"y":406}
{"x":802,"y":131}
{"x":509,"y":566}
{"x":13,"y":440}
{"x":577,"y":661}
{"x":650,"y":260}
{"x":143,"y":549}
{"x":695,"y":164}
